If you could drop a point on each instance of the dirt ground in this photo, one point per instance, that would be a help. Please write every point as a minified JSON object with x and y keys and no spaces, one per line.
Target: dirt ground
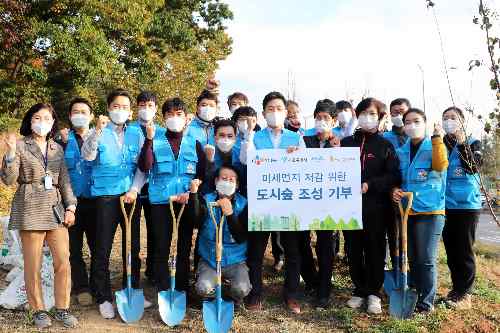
{"x":484,"y":317}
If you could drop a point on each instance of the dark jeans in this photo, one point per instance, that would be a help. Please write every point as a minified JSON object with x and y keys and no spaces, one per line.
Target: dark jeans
{"x":459,"y":235}
{"x":366,"y":256}
{"x":393,"y":220}
{"x":85,"y":223}
{"x":320,"y":279}
{"x":150,"y":254}
{"x":162,"y":232}
{"x":109,"y":216}
{"x":424,"y":232}
{"x":257,"y":242}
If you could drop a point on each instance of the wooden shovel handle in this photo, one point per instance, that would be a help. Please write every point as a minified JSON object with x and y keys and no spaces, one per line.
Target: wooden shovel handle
{"x":404,"y":229}
{"x":175,"y":226}
{"x":218,"y":230}
{"x":128,"y":230}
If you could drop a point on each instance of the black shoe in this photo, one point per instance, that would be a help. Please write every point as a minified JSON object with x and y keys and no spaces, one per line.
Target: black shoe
{"x":309,"y":290}
{"x":322,"y":303}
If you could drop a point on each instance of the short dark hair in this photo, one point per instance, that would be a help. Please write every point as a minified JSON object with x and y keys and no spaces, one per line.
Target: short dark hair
{"x":341,"y":105}
{"x":457,"y":110}
{"x":25,"y":129}
{"x":243,"y":111}
{"x":116,"y":93}
{"x":325,"y":105}
{"x":173,"y":104}
{"x":271,"y":96}
{"x":237,"y":95}
{"x":146,"y":96}
{"x":78,"y":100}
{"x":400,"y":101}
{"x":224,"y":123}
{"x":415,"y":110}
{"x":230,"y":167}
{"x":205,"y":94}
{"x":291,"y":102}
{"x":367,"y":102}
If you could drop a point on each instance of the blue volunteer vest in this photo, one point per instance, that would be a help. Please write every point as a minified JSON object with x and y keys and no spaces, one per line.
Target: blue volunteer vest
{"x":393,"y":138}
{"x":170,"y":176}
{"x":233,"y":252}
{"x":462,"y":188}
{"x":114,"y":167}
{"x":428,"y":186}
{"x":79,"y":170}
{"x":262,"y":139}
{"x":201,"y":132}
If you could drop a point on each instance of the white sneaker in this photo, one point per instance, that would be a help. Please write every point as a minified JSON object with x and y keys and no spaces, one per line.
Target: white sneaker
{"x":355,"y":302}
{"x":147,"y":304}
{"x":107,"y":311}
{"x":374,"y":305}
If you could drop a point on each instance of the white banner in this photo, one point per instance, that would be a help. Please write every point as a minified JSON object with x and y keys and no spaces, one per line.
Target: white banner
{"x":311,"y":189}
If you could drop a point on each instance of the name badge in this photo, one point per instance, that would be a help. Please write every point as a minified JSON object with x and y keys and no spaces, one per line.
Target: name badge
{"x":47,"y":182}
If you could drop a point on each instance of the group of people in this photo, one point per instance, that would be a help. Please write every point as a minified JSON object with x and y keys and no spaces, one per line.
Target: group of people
{"x":71,"y":183}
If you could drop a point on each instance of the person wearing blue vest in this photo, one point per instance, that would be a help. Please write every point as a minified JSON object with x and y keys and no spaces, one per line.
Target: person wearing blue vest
{"x":463,"y":204}
{"x":113,"y":148}
{"x":80,"y":116}
{"x":201,"y":127}
{"x":147,"y":107}
{"x":277,"y":137}
{"x":234,"y":240}
{"x":172,"y":159}
{"x":397,"y":137}
{"x":423,"y":164}
{"x":319,"y":281}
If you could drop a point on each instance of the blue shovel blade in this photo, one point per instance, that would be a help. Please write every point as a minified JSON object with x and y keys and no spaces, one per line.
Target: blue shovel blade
{"x":389,"y":281}
{"x":402,"y":302}
{"x":130,"y":304}
{"x":210,"y":319}
{"x":172,"y":306}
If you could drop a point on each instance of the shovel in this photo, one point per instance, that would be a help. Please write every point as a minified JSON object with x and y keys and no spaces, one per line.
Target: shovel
{"x":172,"y":303}
{"x":130,"y":302}
{"x":402,"y":300}
{"x":391,"y":276}
{"x":218,"y":314}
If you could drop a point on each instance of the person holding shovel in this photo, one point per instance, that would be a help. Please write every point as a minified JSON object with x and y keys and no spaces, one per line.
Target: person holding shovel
{"x":113,"y":148}
{"x":234,"y":207}
{"x":463,"y":204}
{"x":423,"y":165}
{"x":172,"y":159}
{"x":379,"y":174}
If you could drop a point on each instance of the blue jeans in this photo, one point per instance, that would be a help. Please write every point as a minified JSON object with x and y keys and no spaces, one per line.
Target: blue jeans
{"x":424,"y":232}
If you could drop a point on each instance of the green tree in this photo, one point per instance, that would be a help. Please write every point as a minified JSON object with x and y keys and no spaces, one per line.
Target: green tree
{"x":54,"y":50}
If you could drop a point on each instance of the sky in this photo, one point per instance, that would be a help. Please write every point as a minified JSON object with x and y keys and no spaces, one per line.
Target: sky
{"x":346,"y":49}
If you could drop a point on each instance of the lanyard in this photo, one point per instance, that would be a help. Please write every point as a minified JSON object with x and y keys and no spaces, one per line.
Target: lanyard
{"x":46,"y":157}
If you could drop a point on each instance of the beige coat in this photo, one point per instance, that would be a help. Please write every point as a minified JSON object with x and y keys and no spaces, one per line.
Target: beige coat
{"x":32,"y":204}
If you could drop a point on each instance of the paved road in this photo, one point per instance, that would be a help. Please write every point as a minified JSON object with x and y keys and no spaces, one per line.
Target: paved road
{"x":488,"y":232}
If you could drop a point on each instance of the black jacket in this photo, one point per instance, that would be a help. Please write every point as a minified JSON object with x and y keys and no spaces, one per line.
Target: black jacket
{"x":379,"y":167}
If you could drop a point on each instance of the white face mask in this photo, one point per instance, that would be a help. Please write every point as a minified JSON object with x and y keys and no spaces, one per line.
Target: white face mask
{"x":344,"y":117}
{"x":175,"y":124}
{"x":322,"y":126}
{"x":450,"y":126}
{"x":234,"y":108}
{"x":225,"y":188}
{"x":243,"y":126}
{"x":368,"y":122}
{"x":119,"y":117}
{"x":415,"y":131}
{"x":207,"y":113}
{"x":397,"y":121}
{"x":146,"y":114}
{"x":275,"y":119}
{"x":42,"y":128}
{"x":80,"y":120}
{"x":225,"y":144}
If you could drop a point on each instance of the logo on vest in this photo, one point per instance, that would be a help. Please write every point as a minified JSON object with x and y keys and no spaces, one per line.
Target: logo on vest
{"x":458,"y":172}
{"x":191,"y":168}
{"x":422,"y":174}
